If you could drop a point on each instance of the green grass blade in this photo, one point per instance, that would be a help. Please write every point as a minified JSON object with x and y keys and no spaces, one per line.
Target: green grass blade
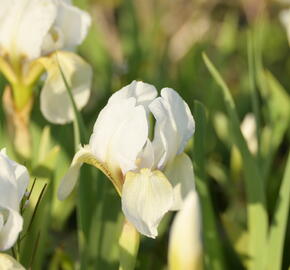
{"x":254,"y":92}
{"x":213,"y":248}
{"x":257,"y":220}
{"x":278,"y":228}
{"x":277,"y":116}
{"x":85,"y":190}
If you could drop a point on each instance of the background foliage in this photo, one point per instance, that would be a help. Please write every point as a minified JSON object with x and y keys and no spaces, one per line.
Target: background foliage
{"x":161,"y":42}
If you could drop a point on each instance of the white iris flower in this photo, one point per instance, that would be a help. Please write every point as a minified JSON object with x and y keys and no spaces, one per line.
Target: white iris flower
{"x":152,"y":176}
{"x":14,"y":179}
{"x":31,"y":32}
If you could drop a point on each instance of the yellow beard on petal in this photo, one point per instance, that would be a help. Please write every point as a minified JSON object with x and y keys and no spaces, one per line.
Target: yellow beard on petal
{"x":114,"y":173}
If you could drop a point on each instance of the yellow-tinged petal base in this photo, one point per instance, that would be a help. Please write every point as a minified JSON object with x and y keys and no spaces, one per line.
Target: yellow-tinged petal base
{"x":84,"y":155}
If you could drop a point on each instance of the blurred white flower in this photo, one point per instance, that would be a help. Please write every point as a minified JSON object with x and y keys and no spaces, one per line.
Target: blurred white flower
{"x":9,"y":263}
{"x":152,"y":177}
{"x":32,"y":35}
{"x":14,"y":179}
{"x":34,"y":28}
{"x":69,"y":28}
{"x":285,"y":20}
{"x":55,"y":104}
{"x":185,"y":241}
{"x":248,"y":128}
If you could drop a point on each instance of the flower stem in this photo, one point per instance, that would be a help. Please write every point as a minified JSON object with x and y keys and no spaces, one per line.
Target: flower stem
{"x":22,"y":94}
{"x":18,"y":123}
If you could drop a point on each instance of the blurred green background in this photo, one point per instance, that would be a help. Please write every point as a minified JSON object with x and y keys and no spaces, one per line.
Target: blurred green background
{"x":161,"y":42}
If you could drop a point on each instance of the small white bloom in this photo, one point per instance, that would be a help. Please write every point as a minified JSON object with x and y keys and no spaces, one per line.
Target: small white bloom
{"x":152,"y":177}
{"x":39,"y":33}
{"x":9,"y":263}
{"x":248,"y":128}
{"x":285,"y":20}
{"x":14,"y":179}
{"x":185,"y":242}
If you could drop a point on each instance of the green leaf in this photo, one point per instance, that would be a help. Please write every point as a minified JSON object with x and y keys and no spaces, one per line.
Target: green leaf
{"x":279,"y":224}
{"x":80,"y":131}
{"x":84,"y":204}
{"x":33,"y":246}
{"x":60,"y":260}
{"x":221,"y":126}
{"x":257,"y":219}
{"x":252,"y":83}
{"x":213,"y":248}
{"x":44,"y":144}
{"x":277,"y":115}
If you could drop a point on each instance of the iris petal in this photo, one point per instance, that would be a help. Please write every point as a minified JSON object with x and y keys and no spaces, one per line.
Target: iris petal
{"x":55,"y":103}
{"x":146,"y":197}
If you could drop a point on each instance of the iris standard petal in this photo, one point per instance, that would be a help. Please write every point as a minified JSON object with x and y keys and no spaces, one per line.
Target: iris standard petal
{"x":145,"y":158}
{"x":73,"y":22}
{"x":25,"y":25}
{"x":68,"y":30}
{"x":180,"y":174}
{"x":185,"y":241}
{"x":120,"y":133}
{"x":129,"y":139}
{"x":55,"y":103}
{"x":174,"y":125}
{"x":144,"y":93}
{"x":146,"y":197}
{"x":11,"y":228}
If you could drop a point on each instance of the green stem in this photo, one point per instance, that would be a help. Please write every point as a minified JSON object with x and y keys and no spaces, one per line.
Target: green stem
{"x":22,"y":94}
